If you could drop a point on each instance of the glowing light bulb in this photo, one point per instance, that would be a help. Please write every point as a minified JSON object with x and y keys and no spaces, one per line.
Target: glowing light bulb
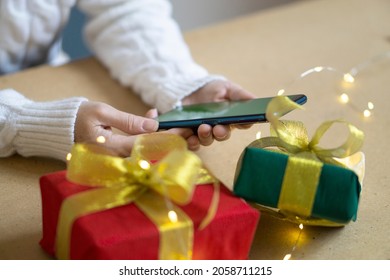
{"x":281,"y":92}
{"x":344,"y":98}
{"x":172,"y":216}
{"x":101,"y":139}
{"x":68,"y":156}
{"x":301,"y":226}
{"x":349,"y":78}
{"x":287,"y":257}
{"x":366,"y":113}
{"x":258,"y":135}
{"x":370,"y":105}
{"x":144,"y":164}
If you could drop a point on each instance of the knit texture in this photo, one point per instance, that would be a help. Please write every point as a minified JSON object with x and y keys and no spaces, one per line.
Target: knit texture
{"x":36,"y":128}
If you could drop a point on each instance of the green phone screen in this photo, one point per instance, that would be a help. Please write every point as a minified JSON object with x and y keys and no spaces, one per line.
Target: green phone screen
{"x":220,"y":112}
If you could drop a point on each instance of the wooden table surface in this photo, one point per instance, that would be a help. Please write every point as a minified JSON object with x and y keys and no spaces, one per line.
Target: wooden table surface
{"x":264,"y":52}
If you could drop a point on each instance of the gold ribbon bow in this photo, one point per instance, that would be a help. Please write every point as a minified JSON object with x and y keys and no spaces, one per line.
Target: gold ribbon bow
{"x":152,"y":187}
{"x":305,"y":161}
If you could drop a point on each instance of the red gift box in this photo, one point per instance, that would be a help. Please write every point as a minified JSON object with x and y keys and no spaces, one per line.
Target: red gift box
{"x":125,"y":232}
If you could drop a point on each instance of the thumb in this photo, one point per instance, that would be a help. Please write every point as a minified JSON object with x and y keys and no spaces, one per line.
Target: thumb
{"x":129,"y":123}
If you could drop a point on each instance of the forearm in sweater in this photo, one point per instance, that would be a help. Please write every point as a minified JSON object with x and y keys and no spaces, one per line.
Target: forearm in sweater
{"x":36,"y":128}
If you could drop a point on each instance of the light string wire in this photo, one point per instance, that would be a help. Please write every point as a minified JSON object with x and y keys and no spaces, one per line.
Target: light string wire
{"x":348,"y":78}
{"x":289,"y":255}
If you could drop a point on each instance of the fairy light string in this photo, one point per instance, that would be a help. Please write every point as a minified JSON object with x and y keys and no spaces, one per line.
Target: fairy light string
{"x":348,"y":78}
{"x":289,"y":255}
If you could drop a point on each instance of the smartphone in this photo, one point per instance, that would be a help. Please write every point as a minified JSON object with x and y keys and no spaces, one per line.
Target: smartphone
{"x":225,"y":112}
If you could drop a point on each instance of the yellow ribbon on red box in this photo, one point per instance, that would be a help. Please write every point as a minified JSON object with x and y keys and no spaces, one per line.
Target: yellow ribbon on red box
{"x":152,"y":187}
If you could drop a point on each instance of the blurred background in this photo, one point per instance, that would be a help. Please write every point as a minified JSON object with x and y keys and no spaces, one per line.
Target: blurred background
{"x":189,"y":14}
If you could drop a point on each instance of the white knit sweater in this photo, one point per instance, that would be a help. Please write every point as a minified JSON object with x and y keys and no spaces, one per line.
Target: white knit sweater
{"x":137,"y":40}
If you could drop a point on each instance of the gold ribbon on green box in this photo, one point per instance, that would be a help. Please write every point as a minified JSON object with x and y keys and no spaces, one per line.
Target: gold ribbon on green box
{"x":303,"y":168}
{"x":152,"y":187}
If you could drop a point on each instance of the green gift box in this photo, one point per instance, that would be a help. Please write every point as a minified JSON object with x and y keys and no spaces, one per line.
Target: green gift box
{"x":260,"y":178}
{"x":301,"y":181}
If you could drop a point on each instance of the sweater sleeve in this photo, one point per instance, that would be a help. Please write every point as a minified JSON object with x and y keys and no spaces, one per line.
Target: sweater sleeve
{"x":36,"y":128}
{"x":143,"y":48}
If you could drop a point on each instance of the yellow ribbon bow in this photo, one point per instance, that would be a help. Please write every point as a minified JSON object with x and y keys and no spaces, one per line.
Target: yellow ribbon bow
{"x":151,"y":187}
{"x":305,"y":161}
{"x":293,"y":137}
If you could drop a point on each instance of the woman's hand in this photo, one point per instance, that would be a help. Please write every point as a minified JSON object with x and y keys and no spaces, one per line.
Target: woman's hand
{"x":217,"y":91}
{"x":96,"y":119}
